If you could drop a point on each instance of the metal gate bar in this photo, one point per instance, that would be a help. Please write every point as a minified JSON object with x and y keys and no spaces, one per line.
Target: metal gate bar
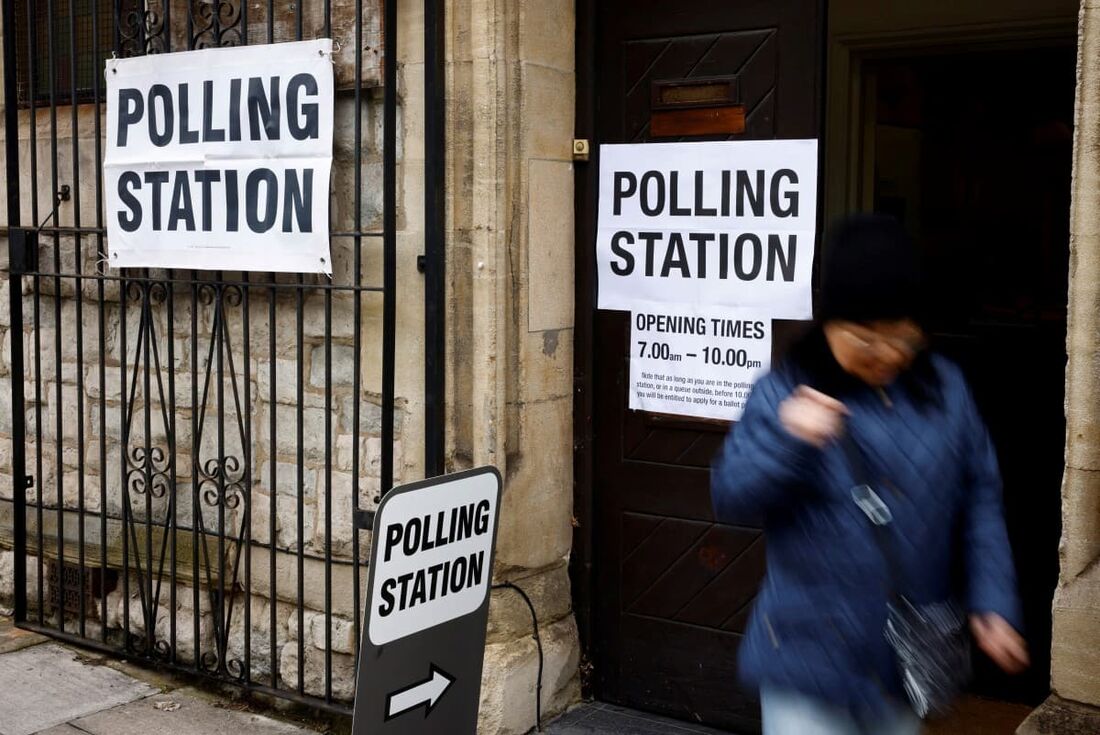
{"x":165,"y":312}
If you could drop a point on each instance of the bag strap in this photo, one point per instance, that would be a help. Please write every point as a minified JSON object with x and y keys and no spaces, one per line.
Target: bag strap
{"x":864,"y":495}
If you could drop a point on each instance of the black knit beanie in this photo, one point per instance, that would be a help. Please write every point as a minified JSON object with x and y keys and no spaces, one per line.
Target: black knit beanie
{"x":871,"y":271}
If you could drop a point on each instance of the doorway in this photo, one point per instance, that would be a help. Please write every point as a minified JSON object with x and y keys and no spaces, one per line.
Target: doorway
{"x":970,"y":149}
{"x":983,"y":186}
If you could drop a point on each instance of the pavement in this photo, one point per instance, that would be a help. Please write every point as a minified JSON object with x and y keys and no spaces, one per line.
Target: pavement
{"x":48,"y":688}
{"x":973,"y":716}
{"x":598,"y":718}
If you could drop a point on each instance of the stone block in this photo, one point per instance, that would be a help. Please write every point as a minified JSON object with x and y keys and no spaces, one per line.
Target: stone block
{"x":536,"y":517}
{"x":1058,"y":716}
{"x":549,"y":279}
{"x":344,"y":456}
{"x":549,"y":591}
{"x":32,"y":580}
{"x":343,"y":207}
{"x":111,"y":389}
{"x":5,"y":409}
{"x":95,"y":449}
{"x":341,"y":526}
{"x":509,"y":679}
{"x":93,"y":498}
{"x":5,"y":346}
{"x":69,"y":366}
{"x":343,"y":366}
{"x":5,"y":458}
{"x":342,"y":636}
{"x":343,"y":126}
{"x":109,"y":426}
{"x":342,"y":325}
{"x":1080,"y":521}
{"x":547,"y":112}
{"x":120,"y":608}
{"x":546,"y":32}
{"x":261,"y":518}
{"x":370,"y":416}
{"x":286,"y":438}
{"x":313,"y":674}
{"x":286,"y":479}
{"x":286,"y":380}
{"x":313,"y":581}
{"x":70,"y":419}
{"x":288,"y":520}
{"x":181,"y":390}
{"x":7,"y":577}
{"x":114,"y":608}
{"x":373,"y":457}
{"x":260,"y":641}
{"x":1075,"y":652}
{"x":547,"y":360}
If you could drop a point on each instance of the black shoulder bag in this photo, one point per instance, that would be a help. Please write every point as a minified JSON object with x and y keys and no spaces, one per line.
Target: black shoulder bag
{"x":931,"y":641}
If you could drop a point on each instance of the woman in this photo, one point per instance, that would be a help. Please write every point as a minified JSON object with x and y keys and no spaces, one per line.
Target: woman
{"x":815,"y":646}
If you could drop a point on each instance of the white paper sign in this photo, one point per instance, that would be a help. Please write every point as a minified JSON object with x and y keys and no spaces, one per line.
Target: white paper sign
{"x":722,"y":224}
{"x":433,"y":554}
{"x":697,"y":361}
{"x":219,"y":159}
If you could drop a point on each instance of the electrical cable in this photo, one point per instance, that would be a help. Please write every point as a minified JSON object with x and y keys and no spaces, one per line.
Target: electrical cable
{"x":538,"y":644}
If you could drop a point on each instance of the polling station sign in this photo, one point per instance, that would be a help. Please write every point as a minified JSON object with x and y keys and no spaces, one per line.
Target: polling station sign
{"x":219,"y":159}
{"x":428,"y":605}
{"x":697,"y":361}
{"x":728,"y":223}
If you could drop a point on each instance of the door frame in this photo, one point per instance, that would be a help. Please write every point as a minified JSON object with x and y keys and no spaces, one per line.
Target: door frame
{"x":585,"y":186}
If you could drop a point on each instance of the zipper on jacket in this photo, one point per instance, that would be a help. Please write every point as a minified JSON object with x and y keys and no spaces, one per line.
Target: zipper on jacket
{"x":771,"y":632}
{"x":883,"y":396}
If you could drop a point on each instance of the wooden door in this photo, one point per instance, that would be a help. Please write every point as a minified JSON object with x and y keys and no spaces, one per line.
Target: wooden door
{"x":672,"y":588}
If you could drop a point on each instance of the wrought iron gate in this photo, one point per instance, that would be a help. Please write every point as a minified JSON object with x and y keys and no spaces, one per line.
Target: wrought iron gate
{"x":190,"y":448}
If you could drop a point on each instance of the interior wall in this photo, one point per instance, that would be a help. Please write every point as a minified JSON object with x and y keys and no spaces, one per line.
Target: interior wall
{"x":865,"y":27}
{"x":867,"y":16}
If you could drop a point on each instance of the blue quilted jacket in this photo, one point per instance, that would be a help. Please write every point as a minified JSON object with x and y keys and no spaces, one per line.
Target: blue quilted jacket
{"x":817,"y":624}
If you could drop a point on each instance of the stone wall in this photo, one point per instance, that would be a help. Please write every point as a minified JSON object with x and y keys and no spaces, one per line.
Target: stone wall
{"x":1076,"y":670}
{"x":83,"y":467}
{"x":509,"y":385}
{"x":1074,"y":706}
{"x":510,"y":339}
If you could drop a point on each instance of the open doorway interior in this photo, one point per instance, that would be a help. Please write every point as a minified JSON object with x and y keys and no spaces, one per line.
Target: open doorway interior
{"x":972,"y":152}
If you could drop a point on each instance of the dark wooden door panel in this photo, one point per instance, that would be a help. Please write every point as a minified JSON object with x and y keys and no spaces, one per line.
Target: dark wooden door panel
{"x":693,"y":671}
{"x":694,"y":568}
{"x":673,"y":589}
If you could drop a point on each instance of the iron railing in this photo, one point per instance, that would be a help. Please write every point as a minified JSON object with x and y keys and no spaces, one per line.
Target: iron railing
{"x":176,"y":430}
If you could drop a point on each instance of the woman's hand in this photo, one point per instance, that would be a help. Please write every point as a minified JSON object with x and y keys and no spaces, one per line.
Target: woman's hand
{"x":812,"y":416}
{"x":999,"y":641}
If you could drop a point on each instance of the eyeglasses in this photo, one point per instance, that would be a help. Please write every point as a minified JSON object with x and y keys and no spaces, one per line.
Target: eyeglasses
{"x":869,"y":341}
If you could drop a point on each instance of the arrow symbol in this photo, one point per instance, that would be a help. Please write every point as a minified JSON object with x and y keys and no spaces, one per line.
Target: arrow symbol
{"x":427,"y":692}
